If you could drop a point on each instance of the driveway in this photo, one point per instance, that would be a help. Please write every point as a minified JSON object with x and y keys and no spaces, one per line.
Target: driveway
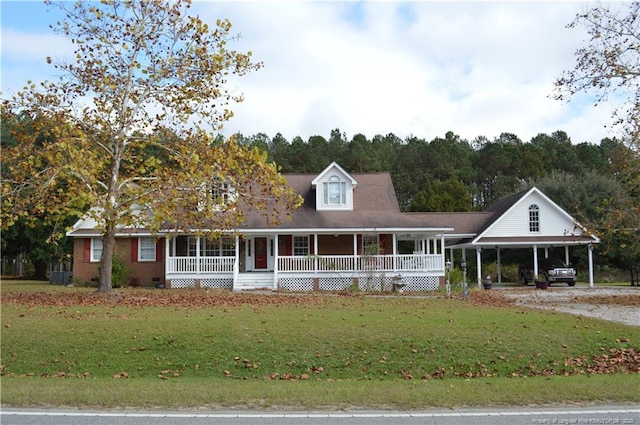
{"x":617,"y":304}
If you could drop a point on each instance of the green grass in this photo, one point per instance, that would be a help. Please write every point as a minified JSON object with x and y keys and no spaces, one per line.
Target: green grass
{"x":344,"y":351}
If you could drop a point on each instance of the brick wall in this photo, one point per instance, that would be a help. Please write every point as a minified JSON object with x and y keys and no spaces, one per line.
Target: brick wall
{"x":141,"y":273}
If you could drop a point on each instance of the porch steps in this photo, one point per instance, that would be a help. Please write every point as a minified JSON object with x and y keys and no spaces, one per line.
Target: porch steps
{"x":252,"y":281}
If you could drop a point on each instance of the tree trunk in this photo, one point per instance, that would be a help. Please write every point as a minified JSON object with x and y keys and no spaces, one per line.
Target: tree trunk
{"x":40,"y":267}
{"x":106,"y":260}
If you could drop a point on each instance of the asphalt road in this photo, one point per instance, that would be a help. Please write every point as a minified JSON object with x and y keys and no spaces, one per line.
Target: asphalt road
{"x":625,"y":415}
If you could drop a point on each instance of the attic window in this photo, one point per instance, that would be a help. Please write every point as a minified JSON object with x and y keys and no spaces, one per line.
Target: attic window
{"x":534,"y":218}
{"x":222,"y":192}
{"x":335,"y":191}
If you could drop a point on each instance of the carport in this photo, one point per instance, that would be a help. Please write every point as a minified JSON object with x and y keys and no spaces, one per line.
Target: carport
{"x":539,"y":246}
{"x":525,"y":220}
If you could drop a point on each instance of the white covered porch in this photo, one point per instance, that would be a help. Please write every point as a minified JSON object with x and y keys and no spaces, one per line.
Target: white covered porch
{"x":270,"y":260}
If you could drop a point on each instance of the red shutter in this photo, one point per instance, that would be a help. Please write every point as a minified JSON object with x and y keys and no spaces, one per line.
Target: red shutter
{"x":134,"y":250}
{"x":86,"y":252}
{"x":159,"y":249}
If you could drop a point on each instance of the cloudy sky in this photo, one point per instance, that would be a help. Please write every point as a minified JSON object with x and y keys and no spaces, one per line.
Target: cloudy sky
{"x":418,"y":68}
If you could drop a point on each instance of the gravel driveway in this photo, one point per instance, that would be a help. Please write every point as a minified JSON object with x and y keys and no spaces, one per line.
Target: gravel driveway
{"x":590,"y":302}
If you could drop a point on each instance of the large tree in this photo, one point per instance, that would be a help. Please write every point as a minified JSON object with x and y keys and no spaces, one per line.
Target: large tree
{"x":609,"y":67}
{"x":130,"y":127}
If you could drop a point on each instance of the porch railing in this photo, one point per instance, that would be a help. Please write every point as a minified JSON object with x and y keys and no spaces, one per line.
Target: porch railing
{"x":314,"y":263}
{"x":326,"y":263}
{"x":200,"y":264}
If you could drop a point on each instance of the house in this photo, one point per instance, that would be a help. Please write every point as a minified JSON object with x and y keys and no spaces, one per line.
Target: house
{"x":349,"y":232}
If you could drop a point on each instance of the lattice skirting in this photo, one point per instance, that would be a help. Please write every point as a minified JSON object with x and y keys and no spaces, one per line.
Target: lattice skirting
{"x":295,"y":284}
{"x":335,"y":283}
{"x":421,"y":283}
{"x":183,"y":283}
{"x":365,"y":283}
{"x":222,"y":283}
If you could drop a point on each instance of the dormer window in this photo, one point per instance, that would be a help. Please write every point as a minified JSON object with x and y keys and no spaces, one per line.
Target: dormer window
{"x":222,"y":192}
{"x":335,"y":191}
{"x":534,"y":218}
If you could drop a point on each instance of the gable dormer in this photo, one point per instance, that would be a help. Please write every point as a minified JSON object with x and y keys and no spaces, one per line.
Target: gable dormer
{"x":334,"y":189}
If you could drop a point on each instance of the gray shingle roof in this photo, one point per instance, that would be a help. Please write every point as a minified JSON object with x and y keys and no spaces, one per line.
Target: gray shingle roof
{"x":374,"y":207}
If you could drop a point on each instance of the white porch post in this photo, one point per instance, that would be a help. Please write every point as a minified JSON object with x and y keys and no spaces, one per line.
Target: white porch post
{"x":395,"y":251}
{"x":535,"y":261}
{"x":166,"y":255}
{"x":479,"y":265}
{"x":198,"y":254}
{"x":590,"y":248}
{"x":442,"y":251}
{"x":499,"y":266}
{"x":315,"y":252}
{"x":355,"y":251}
{"x":275,"y":261}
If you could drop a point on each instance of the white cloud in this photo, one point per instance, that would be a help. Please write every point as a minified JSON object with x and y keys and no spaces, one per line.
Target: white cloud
{"x":24,"y":57}
{"x":414,"y":68}
{"x":421,"y":68}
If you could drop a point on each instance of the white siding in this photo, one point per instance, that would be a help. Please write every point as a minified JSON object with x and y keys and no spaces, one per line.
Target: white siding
{"x":515,"y":222}
{"x":86,"y":223}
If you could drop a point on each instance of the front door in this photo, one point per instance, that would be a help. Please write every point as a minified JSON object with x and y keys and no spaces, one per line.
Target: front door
{"x":260,"y":257}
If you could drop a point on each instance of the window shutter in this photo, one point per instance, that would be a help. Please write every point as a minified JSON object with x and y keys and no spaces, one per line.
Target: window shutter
{"x":86,"y":252}
{"x":311,"y":244}
{"x":134,"y":250}
{"x":159,"y":249}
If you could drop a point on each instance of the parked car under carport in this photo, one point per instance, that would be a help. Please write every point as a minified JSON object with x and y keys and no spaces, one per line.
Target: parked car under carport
{"x":552,"y":270}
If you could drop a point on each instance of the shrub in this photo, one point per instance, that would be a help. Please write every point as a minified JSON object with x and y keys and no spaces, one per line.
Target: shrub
{"x":119,"y":271}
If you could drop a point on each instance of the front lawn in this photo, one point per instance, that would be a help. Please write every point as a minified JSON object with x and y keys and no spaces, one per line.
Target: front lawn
{"x":184,"y":348}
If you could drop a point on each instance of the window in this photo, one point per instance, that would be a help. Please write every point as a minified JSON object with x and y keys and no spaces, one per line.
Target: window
{"x":96,"y":249}
{"x":335,"y":191}
{"x":146,"y":249}
{"x":222,"y":247}
{"x":301,"y":245}
{"x":534,"y":218}
{"x":370,"y":245}
{"x":222,"y":192}
{"x":209,"y":248}
{"x":227,"y":247}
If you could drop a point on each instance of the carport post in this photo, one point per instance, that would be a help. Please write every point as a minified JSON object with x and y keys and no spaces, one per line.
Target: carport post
{"x":479,"y":265}
{"x":535,"y":261}
{"x":590,"y":265}
{"x":499,"y":266}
